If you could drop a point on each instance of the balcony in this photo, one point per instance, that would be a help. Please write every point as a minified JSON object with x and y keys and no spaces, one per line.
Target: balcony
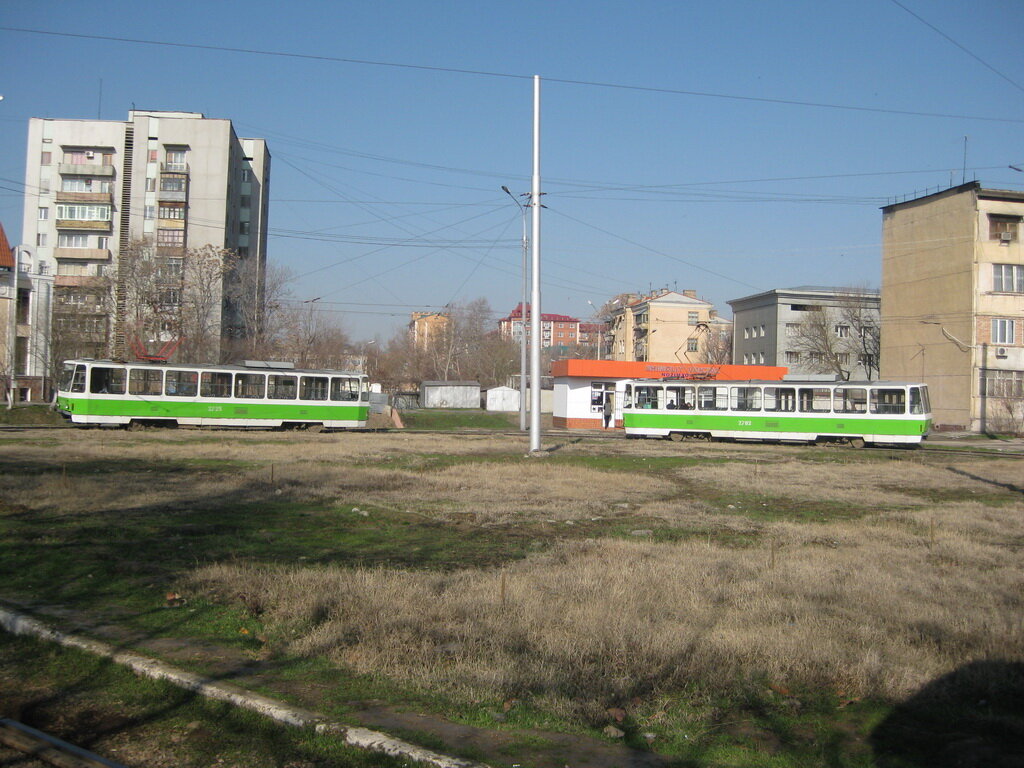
{"x":90,"y":224}
{"x":81,"y":254}
{"x":79,"y":281}
{"x":85,"y":197}
{"x":76,"y":169}
{"x":174,"y":168}
{"x":173,"y":195}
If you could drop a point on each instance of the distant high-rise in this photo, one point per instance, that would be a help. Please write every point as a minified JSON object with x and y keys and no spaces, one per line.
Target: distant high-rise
{"x":161,"y":184}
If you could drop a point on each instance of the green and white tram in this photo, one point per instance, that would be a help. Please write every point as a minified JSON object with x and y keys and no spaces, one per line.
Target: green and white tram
{"x":254,"y":394}
{"x":860,"y":413}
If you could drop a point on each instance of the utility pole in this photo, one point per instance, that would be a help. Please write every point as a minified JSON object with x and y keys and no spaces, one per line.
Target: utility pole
{"x":522,"y":318}
{"x":535,"y":308}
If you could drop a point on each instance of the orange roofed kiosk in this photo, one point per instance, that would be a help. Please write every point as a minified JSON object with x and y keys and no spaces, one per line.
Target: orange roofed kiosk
{"x":582,"y":386}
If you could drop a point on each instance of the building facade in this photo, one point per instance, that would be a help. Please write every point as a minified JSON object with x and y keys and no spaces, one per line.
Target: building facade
{"x":555,"y":330}
{"x":809,"y":330}
{"x":26,"y":289}
{"x":162,"y":184}
{"x":427,"y":326}
{"x":665,"y":326}
{"x":953,"y":303}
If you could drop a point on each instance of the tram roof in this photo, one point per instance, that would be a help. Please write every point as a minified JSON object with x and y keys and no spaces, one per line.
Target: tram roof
{"x":259,"y":367}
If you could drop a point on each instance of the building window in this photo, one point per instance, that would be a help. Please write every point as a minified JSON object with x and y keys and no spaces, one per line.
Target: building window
{"x":691,"y":345}
{"x":150,"y":212}
{"x":792,"y":329}
{"x":762,"y":330}
{"x":792,"y":358}
{"x":83,"y":184}
{"x":45,"y":158}
{"x":170,"y":237}
{"x":152,"y":155}
{"x":246,"y":201}
{"x":103,"y":242}
{"x":243,"y":252}
{"x":246,"y":174}
{"x":692,"y":318}
{"x":243,"y":227}
{"x":172,"y":184}
{"x":843,"y":331}
{"x":40,"y":238}
{"x":1008,"y":278}
{"x":151,"y":184}
{"x":175,"y":160}
{"x":1002,"y":330}
{"x":1003,"y":228}
{"x":83,"y":212}
{"x":1002,"y":383}
{"x":746,"y":333}
{"x":172,"y":212}
{"x":72,"y":240}
{"x":44,"y":213}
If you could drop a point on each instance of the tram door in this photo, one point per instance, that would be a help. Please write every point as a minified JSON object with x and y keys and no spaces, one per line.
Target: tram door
{"x":602,"y":392}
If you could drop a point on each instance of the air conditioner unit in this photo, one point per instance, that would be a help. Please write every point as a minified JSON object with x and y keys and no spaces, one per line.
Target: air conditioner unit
{"x":90,"y":155}
{"x":1006,"y":237}
{"x":1000,"y":351}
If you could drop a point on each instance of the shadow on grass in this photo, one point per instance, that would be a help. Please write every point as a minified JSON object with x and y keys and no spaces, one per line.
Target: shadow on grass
{"x":980,"y":479}
{"x":970,"y":718}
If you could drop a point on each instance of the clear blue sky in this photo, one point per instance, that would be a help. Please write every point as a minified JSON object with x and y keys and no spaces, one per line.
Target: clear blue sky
{"x":386,"y":179}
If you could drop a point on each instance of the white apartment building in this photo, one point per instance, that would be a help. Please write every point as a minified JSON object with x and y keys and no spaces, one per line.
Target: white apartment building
{"x":177,"y":181}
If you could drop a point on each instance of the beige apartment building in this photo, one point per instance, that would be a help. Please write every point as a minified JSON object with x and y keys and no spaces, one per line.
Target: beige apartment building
{"x":176,"y":182}
{"x":666,"y":326}
{"x":952,"y":308}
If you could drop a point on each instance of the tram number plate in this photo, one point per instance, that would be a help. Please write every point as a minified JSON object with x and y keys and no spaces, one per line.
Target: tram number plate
{"x":215,"y":408}
{"x":743,"y":423}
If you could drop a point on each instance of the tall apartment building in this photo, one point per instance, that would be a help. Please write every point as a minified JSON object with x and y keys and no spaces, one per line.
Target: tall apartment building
{"x":809,"y":330}
{"x":665,"y":326}
{"x":425,"y":327}
{"x":953,"y":303}
{"x":174,"y":181}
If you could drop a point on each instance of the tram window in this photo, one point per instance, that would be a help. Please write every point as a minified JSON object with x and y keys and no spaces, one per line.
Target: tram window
{"x":282,"y":387}
{"x":745,"y":398}
{"x":107,"y":381}
{"x":181,"y":383}
{"x":364,"y":391}
{"x":681,"y":398}
{"x":73,"y":379}
{"x":313,"y":388}
{"x":648,"y":397}
{"x":713,"y":398}
{"x":780,"y":399}
{"x":145,"y":381}
{"x":850,"y":400}
{"x":215,"y":384}
{"x":919,"y":400}
{"x":250,"y":386}
{"x":627,"y":396}
{"x":888,"y":401}
{"x":815,"y":399}
{"x":344,"y":389}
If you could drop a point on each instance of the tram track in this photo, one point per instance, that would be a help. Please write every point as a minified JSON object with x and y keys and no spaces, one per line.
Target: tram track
{"x":46,"y":749}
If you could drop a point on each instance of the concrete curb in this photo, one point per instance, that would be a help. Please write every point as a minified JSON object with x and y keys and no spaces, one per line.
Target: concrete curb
{"x":20,"y":624}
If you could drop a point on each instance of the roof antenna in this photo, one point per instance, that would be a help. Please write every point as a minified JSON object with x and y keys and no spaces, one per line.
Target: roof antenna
{"x":963,"y":175}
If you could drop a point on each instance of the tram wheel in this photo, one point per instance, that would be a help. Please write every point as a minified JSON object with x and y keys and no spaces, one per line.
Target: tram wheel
{"x":857,"y":442}
{"x":315,"y":428}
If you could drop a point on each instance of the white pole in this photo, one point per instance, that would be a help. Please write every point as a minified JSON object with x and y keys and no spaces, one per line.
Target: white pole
{"x":535,"y":310}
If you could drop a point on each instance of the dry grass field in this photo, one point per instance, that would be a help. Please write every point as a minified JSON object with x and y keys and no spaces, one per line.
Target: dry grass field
{"x":652,"y":572}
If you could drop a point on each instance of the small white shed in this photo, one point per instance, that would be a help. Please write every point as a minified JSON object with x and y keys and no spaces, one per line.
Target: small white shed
{"x":502,"y":399}
{"x":450,"y":394}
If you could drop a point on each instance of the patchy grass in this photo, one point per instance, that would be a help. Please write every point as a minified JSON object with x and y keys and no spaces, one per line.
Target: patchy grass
{"x":99,"y":706}
{"x":31,"y":415}
{"x":444,"y":419}
{"x":742,"y":604}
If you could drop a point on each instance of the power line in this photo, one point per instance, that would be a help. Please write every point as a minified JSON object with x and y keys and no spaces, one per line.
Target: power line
{"x":970,"y":53}
{"x":510,"y":76}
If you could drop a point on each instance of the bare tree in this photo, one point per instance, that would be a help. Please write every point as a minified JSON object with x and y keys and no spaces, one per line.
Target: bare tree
{"x":718,"y":346}
{"x":840,"y":339}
